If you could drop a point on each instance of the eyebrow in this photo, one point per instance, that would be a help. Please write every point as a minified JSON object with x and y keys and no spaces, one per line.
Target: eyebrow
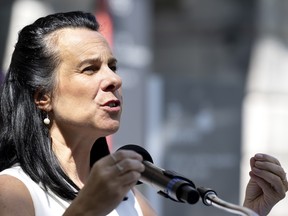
{"x":112,"y":60}
{"x":94,"y":60}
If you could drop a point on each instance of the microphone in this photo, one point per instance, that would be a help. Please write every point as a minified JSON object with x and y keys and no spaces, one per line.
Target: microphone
{"x":210,"y":198}
{"x":168,"y":183}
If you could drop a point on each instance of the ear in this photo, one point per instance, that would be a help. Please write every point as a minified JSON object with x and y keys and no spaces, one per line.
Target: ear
{"x":42,"y":101}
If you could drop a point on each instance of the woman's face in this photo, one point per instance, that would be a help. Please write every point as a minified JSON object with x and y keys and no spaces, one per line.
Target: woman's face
{"x":87,"y":96}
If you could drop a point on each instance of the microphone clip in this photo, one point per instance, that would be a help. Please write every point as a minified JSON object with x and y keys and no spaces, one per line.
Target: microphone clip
{"x":179,"y":188}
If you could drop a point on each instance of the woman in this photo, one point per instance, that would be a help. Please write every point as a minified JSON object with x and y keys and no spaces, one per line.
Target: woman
{"x":60,"y":99}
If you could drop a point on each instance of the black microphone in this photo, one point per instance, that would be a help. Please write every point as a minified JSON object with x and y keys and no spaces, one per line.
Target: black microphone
{"x":168,"y":183}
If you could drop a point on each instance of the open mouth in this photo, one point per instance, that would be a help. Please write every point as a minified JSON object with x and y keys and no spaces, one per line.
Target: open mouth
{"x":113,"y":103}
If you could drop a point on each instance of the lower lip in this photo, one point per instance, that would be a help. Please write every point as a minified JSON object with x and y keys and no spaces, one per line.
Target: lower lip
{"x":112,"y":109}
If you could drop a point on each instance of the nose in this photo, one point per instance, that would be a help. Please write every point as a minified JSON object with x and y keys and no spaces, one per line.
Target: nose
{"x":112,"y":82}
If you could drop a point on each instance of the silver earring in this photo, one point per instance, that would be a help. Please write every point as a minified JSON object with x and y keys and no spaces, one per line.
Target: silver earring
{"x":46,"y":120}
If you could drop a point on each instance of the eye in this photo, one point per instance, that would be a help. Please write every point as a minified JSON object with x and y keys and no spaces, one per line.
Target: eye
{"x":90,"y":69}
{"x":113,"y":67}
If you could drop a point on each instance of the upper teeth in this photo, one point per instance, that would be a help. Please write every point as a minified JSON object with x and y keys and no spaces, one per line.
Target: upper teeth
{"x":112,"y":104}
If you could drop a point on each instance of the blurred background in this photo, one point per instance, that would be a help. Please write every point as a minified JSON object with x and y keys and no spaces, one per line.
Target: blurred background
{"x":204,"y":83}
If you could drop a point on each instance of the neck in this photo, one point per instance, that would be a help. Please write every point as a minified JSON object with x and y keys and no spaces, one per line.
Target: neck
{"x":74,"y":159}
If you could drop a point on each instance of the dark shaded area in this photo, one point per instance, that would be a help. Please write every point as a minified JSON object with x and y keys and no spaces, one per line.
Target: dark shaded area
{"x":5,"y":14}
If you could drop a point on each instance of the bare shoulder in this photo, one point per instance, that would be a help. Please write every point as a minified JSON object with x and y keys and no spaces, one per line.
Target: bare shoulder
{"x":15,"y":198}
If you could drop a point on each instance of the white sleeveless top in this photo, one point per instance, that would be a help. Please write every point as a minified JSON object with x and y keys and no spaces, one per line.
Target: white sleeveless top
{"x":49,"y":204}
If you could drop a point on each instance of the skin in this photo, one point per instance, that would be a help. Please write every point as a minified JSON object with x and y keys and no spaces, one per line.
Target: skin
{"x":14,"y":202}
{"x":267,"y":185}
{"x":86,"y":83}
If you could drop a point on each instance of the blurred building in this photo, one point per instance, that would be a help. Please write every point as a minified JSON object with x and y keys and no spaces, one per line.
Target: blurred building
{"x":202,"y":51}
{"x":265,"y":112}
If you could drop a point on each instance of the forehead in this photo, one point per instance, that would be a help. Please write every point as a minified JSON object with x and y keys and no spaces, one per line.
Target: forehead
{"x":81,"y":41}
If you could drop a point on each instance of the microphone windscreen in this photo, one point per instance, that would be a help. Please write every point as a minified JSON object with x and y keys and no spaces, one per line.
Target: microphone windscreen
{"x":140,"y":150}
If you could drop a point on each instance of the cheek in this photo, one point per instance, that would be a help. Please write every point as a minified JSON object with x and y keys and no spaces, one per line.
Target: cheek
{"x":75,"y":96}
{"x":80,"y":88}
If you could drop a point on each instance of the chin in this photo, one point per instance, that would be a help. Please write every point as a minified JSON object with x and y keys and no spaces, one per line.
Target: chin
{"x":112,"y":129}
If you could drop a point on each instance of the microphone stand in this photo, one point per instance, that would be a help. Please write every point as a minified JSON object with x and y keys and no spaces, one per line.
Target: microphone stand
{"x":210,"y":198}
